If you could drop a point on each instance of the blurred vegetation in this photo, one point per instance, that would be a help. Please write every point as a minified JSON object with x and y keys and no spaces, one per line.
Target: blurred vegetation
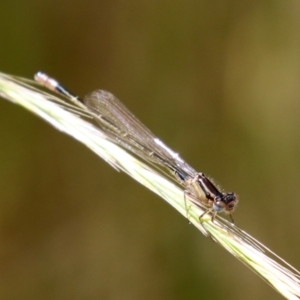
{"x":217,"y":81}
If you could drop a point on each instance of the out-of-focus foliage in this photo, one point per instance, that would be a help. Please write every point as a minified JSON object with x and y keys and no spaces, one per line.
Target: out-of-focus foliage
{"x":218,"y":82}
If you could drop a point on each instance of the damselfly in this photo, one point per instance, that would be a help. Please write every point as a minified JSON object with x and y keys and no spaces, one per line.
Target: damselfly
{"x":116,"y":120}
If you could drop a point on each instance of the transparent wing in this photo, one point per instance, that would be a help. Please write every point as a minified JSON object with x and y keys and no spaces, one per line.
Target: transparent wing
{"x":130,"y":133}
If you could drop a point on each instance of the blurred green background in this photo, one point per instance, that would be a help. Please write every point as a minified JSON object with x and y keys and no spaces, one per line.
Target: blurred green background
{"x":218,"y":81}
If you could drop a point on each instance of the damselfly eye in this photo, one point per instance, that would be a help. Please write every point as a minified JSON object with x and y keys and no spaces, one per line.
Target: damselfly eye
{"x":218,"y":205}
{"x":231,"y":206}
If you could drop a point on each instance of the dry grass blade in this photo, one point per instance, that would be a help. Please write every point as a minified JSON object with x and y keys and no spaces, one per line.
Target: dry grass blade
{"x":71,"y":120}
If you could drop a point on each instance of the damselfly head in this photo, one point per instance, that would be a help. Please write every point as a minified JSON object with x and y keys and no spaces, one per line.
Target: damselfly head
{"x":225,"y":202}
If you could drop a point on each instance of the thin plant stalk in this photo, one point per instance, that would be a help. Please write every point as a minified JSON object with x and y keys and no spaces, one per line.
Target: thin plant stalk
{"x":76,"y":122}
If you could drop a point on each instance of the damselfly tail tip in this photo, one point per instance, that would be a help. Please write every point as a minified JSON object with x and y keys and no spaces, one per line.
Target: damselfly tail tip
{"x":45,"y":80}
